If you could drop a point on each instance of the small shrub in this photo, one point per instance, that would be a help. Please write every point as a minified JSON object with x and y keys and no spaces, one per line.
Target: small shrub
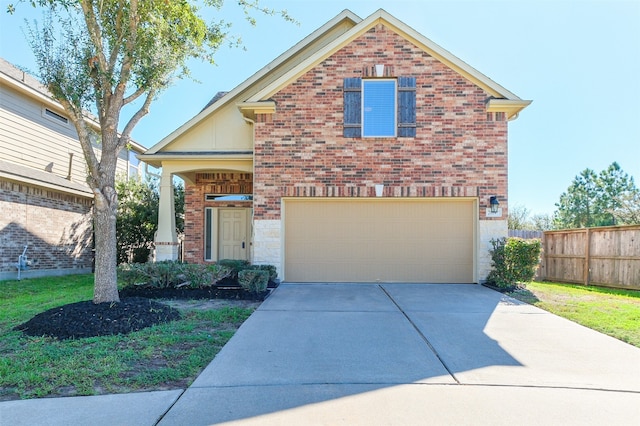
{"x":514,"y":260}
{"x":218,"y":273}
{"x":236,"y":265}
{"x":196,"y":276}
{"x":273,"y":272}
{"x":131,"y":275}
{"x":163,"y":274}
{"x":253,"y":280}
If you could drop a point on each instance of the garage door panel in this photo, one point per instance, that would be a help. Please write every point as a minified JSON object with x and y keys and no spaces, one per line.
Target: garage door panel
{"x":379,"y":240}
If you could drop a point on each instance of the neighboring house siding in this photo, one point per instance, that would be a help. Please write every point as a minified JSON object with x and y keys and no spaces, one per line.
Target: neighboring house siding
{"x":44,"y":204}
{"x":55,"y":226}
{"x":459,"y":149}
{"x":33,"y":140}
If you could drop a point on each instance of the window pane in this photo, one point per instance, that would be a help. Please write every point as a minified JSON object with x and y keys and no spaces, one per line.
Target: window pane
{"x":134,"y":165}
{"x":208,"y":233}
{"x":379,"y":107}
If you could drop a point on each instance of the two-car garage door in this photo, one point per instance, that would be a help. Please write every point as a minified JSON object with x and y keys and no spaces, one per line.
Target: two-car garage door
{"x":386,"y":240}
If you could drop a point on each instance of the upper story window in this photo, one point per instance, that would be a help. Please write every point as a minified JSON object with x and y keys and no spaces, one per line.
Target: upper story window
{"x":380,"y":107}
{"x":134,"y":165}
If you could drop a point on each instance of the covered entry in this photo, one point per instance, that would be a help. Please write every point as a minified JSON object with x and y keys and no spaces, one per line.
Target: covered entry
{"x":386,"y":240}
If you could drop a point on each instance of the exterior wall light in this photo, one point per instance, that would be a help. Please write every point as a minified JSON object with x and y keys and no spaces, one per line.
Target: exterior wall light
{"x":493,"y":204}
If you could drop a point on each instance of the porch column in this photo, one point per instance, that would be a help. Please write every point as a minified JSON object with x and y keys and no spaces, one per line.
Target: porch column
{"x":166,"y":238}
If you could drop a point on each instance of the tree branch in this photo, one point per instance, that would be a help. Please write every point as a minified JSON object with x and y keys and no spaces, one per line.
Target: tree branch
{"x":129,"y":49}
{"x":134,"y":96}
{"x":84,"y":137}
{"x":125,"y":136}
{"x":100,"y":71}
{"x":115,"y":49}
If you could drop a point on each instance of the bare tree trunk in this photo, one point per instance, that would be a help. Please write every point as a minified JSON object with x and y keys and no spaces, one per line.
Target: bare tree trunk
{"x":104,"y":221}
{"x":106,"y":284}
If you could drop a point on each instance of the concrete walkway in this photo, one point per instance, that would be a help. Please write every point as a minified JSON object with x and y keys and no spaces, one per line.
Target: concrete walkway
{"x":385,"y":354}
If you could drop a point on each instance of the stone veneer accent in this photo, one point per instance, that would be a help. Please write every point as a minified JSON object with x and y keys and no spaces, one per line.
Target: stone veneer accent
{"x":55,"y":225}
{"x":488,"y":230}
{"x":267,"y":243}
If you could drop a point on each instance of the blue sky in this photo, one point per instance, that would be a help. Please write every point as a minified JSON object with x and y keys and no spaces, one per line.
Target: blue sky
{"x":579,"y":61}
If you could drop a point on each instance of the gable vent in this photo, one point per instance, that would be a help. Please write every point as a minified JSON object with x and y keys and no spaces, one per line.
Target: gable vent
{"x":55,"y":116}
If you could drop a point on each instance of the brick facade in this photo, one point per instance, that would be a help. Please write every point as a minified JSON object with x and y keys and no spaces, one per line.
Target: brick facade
{"x":459,"y":149}
{"x":194,"y":201}
{"x":55,"y":226}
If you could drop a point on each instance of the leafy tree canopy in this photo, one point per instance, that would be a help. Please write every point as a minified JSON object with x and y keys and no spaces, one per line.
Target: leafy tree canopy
{"x":598,"y":199}
{"x":109,"y":54}
{"x":137,"y":220}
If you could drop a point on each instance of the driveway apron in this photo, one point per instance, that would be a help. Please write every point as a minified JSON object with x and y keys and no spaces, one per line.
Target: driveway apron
{"x":403,"y":353}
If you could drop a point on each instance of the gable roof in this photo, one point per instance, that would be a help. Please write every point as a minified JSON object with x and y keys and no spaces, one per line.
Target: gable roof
{"x":322,"y":43}
{"x":304,"y":48}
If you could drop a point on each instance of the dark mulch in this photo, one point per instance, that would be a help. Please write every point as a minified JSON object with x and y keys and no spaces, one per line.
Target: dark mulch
{"x":507,"y":289}
{"x":193,"y":293}
{"x":135,"y":311}
{"x":87,"y":319}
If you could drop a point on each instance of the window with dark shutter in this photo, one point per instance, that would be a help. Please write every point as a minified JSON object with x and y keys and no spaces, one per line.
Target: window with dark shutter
{"x":352,"y":107}
{"x":384,"y":102}
{"x":379,"y":108}
{"x":406,"y":106}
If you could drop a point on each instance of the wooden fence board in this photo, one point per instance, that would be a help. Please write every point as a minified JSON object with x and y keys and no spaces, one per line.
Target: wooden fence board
{"x":605,"y":256}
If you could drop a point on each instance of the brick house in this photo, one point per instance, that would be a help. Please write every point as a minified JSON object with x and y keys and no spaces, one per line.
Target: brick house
{"x":364,"y":153}
{"x":45,"y":203}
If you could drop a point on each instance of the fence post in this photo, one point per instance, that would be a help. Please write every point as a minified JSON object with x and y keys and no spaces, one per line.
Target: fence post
{"x":587,"y":257}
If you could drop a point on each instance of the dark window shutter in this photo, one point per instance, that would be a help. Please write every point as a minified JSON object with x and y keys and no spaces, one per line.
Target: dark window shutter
{"x":352,"y":107}
{"x":406,"y":106}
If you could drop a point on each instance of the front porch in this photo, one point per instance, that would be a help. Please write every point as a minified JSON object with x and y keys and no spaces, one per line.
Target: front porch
{"x":218,"y":206}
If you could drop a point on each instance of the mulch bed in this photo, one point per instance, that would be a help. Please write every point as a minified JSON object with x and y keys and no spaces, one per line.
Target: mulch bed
{"x":87,"y":319}
{"x":193,"y":293}
{"x":508,"y":289}
{"x":135,"y":311}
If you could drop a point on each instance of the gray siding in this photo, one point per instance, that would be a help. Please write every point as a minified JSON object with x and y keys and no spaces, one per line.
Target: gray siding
{"x":30,"y":139}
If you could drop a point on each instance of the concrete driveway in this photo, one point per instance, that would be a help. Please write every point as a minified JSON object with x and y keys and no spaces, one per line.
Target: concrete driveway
{"x":412,"y":354}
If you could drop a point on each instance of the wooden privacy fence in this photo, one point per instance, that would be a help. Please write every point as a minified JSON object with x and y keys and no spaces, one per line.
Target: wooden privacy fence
{"x":525,"y":234}
{"x":606,"y":256}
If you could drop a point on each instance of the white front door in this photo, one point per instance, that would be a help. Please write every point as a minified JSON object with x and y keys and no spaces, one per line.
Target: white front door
{"x":232,"y":234}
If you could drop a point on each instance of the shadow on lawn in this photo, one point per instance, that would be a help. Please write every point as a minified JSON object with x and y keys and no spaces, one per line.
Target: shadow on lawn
{"x":524,"y":295}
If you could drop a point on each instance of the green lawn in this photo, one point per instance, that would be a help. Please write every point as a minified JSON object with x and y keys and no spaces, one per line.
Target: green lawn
{"x":609,"y":311}
{"x":167,"y":356}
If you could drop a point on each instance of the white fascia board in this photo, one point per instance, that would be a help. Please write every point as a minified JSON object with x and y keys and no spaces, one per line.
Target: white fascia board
{"x":511,"y":107}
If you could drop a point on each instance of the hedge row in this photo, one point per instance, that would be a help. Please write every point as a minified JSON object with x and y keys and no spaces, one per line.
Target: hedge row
{"x":174,"y":274}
